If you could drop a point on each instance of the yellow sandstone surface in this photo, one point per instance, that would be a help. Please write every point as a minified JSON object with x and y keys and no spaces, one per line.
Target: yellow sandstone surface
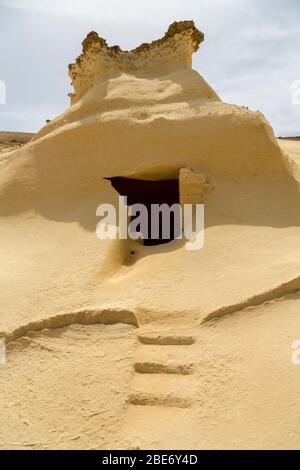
{"x":112,"y":344}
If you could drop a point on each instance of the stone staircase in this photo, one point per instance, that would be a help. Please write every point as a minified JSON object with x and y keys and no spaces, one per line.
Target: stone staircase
{"x":162,"y":389}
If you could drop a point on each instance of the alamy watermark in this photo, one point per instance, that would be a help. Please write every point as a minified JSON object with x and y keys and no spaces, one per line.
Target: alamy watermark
{"x":2,"y":353}
{"x":296,"y":354}
{"x":133,"y":222}
{"x":296,"y":92}
{"x":2,"y":92}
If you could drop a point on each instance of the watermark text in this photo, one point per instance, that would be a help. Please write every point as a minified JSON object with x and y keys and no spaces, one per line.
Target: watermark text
{"x":296,"y":92}
{"x":2,"y":353}
{"x":175,"y":222}
{"x":2,"y":92}
{"x":296,"y":354}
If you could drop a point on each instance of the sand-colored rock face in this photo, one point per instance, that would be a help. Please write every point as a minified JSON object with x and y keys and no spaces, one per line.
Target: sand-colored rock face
{"x":147,"y":114}
{"x":98,"y":61}
{"x":10,"y":141}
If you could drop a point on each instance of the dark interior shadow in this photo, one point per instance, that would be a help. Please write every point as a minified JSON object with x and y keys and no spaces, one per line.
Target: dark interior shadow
{"x":149,"y":193}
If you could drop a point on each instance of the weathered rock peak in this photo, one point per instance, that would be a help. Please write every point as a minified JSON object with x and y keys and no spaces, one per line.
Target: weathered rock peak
{"x":100,"y":61}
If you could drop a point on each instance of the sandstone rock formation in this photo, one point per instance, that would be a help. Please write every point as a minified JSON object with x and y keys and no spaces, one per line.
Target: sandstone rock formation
{"x":207,"y":343}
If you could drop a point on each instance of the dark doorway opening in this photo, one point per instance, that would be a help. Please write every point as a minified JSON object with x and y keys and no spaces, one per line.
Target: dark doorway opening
{"x":148,"y":193}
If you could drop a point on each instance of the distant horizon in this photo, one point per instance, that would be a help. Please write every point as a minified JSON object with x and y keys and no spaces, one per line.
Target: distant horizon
{"x":33,"y":133}
{"x":250,"y":55}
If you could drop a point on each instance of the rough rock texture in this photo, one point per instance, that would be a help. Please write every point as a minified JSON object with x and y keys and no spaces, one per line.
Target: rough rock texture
{"x":213,"y":329}
{"x":98,"y":60}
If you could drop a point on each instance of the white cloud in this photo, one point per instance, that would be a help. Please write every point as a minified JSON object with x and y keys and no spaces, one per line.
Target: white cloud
{"x":118,"y":10}
{"x":250,"y":55}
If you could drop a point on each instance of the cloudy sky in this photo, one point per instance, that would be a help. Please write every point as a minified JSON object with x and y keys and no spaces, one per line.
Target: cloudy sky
{"x":251,"y":53}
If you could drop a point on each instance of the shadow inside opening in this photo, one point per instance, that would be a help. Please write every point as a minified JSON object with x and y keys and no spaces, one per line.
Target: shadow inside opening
{"x":148,"y":193}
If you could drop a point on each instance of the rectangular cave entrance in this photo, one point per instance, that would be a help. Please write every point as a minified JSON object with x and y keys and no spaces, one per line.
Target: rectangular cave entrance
{"x":151,"y":192}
